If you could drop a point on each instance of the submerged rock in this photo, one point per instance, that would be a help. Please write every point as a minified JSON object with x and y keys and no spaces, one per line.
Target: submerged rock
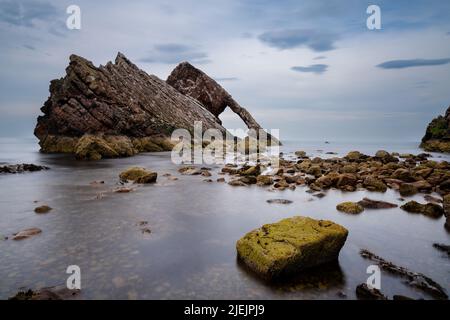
{"x":27,"y":233}
{"x":23,"y":167}
{"x":415,"y":279}
{"x":138,"y":175}
{"x":376,"y":204}
{"x":279,"y":201}
{"x":51,"y":293}
{"x":42,"y":209}
{"x":364,"y":292}
{"x":350,"y":207}
{"x":291,"y":245}
{"x":442,"y":247}
{"x":432,"y":210}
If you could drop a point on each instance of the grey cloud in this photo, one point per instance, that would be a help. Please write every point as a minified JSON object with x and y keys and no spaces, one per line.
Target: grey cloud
{"x":401,"y":64}
{"x":174,"y":53}
{"x":25,"y":13}
{"x":320,"y":58}
{"x":30,"y":47}
{"x":294,"y":38}
{"x":315,"y":68}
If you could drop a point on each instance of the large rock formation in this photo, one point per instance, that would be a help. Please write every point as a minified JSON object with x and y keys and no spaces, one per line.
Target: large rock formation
{"x":195,"y":83}
{"x":114,"y":110}
{"x":437,"y":136}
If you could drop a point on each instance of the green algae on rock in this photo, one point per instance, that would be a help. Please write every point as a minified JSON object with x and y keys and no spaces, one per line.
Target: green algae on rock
{"x":99,"y":146}
{"x":437,"y":136}
{"x":291,"y":245}
{"x":138,"y":175}
{"x":350,"y":207}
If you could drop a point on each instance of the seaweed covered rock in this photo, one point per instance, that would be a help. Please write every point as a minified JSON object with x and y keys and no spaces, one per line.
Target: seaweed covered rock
{"x":350,"y":207}
{"x":291,"y":245}
{"x":138,"y":175}
{"x":437,"y":135}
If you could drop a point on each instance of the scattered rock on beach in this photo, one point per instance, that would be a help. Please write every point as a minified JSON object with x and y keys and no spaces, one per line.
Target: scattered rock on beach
{"x":27,"y":233}
{"x":51,"y":293}
{"x":350,"y":207}
{"x":407,"y":190}
{"x":42,"y":209}
{"x":291,"y":245}
{"x":376,"y":204}
{"x":442,"y":247}
{"x":263,"y":180}
{"x":364,"y":292}
{"x":279,"y":201}
{"x":138,"y":175}
{"x":20,"y":168}
{"x":432,"y":210}
{"x":415,"y":279}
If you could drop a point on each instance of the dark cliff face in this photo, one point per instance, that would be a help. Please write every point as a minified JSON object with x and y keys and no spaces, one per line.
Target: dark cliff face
{"x":116,"y":99}
{"x":437,"y":136}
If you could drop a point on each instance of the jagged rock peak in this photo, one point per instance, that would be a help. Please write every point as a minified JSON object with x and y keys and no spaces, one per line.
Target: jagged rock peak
{"x":116,"y":100}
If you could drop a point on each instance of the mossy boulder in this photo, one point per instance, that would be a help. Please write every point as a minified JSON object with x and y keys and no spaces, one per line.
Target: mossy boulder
{"x":300,"y":154}
{"x":355,"y":156}
{"x":264,"y":180}
{"x":138,"y":175}
{"x":374,"y":184}
{"x":291,"y":245}
{"x":408,"y":189}
{"x":252,"y":171}
{"x":350,"y":207}
{"x":96,"y":147}
{"x":446,"y":201}
{"x":432,"y":210}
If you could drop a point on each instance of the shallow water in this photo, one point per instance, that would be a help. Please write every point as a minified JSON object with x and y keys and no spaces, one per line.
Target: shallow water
{"x":190,"y":252}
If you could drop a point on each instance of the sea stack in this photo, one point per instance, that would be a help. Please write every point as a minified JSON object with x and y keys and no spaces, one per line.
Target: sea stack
{"x":437,"y":136}
{"x":114,"y":110}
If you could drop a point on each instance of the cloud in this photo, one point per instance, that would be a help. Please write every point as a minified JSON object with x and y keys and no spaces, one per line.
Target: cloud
{"x":30,"y":47}
{"x":315,"y":68}
{"x":170,"y":53}
{"x":227,"y":79}
{"x":320,"y":58}
{"x":26,"y":13}
{"x":401,"y":64}
{"x":294,"y":38}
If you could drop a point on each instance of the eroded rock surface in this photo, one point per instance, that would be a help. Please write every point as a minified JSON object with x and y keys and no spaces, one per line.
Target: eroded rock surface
{"x":128,"y":110}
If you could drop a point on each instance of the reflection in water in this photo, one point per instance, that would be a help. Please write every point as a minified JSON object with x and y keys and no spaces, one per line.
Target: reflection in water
{"x":190,"y":252}
{"x":322,"y":278}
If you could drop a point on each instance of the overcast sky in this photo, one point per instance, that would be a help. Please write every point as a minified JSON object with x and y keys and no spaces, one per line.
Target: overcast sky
{"x":310,"y":68}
